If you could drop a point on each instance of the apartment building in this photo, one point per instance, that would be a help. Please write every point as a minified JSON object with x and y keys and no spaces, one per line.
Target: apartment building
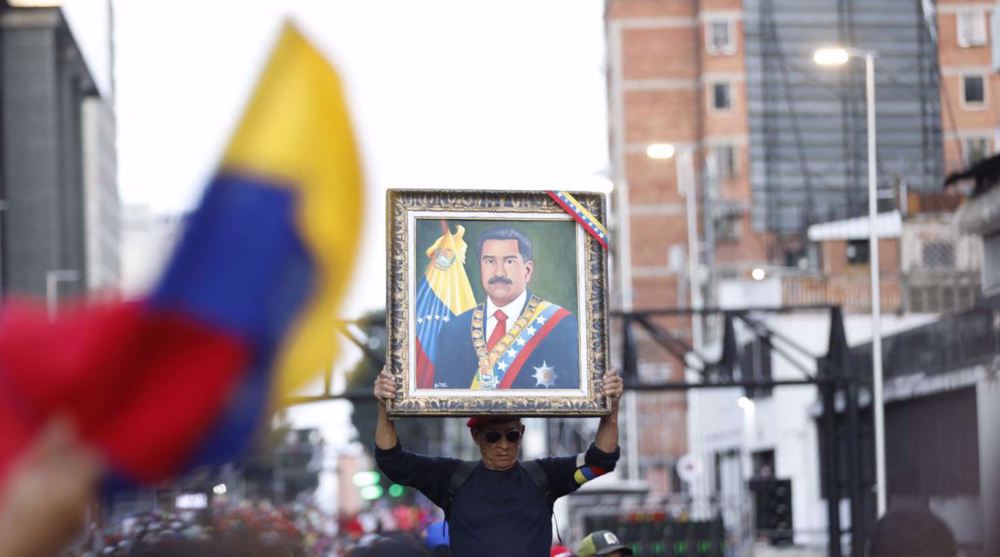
{"x":969,"y":57}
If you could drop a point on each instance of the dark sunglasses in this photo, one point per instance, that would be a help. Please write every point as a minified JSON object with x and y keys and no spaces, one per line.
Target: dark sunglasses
{"x":492,"y":437}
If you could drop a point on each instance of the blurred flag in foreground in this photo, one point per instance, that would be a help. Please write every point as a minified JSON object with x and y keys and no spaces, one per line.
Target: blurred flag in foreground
{"x":443,"y":293}
{"x":244,"y":313}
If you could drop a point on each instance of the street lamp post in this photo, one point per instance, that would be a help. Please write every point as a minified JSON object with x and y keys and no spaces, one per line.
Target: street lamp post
{"x":686,"y":186}
{"x":840,"y":56}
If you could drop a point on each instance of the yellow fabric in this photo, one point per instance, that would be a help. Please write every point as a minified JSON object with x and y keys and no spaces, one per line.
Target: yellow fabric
{"x":449,"y":281}
{"x":296,"y":133}
{"x":588,"y":214}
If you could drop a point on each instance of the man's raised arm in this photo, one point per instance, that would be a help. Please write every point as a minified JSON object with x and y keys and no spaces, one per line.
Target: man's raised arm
{"x":607,"y":431}
{"x":385,"y":430}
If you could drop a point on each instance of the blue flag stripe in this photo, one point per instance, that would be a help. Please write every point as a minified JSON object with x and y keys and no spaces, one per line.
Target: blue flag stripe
{"x":431,"y":315}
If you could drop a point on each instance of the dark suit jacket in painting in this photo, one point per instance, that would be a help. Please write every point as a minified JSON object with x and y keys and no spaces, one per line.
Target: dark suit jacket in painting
{"x":540,"y":351}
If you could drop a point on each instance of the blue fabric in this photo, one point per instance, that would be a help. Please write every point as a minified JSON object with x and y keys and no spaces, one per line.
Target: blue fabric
{"x":436,"y":534}
{"x":249,"y":223}
{"x":431,"y":315}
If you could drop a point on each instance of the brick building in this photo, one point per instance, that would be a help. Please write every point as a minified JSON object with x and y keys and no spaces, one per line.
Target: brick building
{"x":968,"y":55}
{"x":676,"y":75}
{"x":770,"y":144}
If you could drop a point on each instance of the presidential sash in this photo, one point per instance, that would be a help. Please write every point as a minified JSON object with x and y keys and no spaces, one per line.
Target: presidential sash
{"x":498,"y":368}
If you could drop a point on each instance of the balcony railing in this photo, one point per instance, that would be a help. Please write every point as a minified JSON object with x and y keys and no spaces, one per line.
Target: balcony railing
{"x":852,"y":292}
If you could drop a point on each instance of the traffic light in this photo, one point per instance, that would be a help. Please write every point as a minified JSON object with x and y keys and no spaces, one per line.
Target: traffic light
{"x":774,"y":509}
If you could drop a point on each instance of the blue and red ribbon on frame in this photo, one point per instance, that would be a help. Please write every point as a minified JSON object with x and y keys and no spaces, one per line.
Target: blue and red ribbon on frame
{"x":581,"y":215}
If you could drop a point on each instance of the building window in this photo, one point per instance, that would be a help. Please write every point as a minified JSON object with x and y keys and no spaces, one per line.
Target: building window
{"x":722,"y":99}
{"x":973,"y":90}
{"x":857,"y":252}
{"x":721,"y":37}
{"x":939,"y":255}
{"x":971,"y":28}
{"x":725,"y":161}
{"x":727,"y":229}
{"x":975,"y":149}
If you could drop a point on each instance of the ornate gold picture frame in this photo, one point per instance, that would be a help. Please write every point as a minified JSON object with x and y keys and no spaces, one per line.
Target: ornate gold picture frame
{"x":496,"y":304}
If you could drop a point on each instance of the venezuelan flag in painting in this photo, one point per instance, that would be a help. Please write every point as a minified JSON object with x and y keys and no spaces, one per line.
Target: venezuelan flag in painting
{"x":244,"y":313}
{"x":443,"y":292}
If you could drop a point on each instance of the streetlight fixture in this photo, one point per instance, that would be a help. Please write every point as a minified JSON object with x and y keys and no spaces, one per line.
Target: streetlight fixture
{"x":686,"y":186}
{"x":840,"y":56}
{"x":831,"y":56}
{"x":660,"y":151}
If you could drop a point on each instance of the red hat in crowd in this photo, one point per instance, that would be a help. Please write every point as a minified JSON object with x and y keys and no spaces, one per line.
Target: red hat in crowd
{"x":480,"y":421}
{"x":560,"y":551}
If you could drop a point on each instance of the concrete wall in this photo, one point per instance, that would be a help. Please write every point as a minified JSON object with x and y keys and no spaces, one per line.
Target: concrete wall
{"x":102,"y":207}
{"x":919,"y":230}
{"x":31,"y":155}
{"x":44,"y":83}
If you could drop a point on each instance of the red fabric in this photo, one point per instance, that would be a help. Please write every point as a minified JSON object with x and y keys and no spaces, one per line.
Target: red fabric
{"x":522,"y":356}
{"x":142,"y":386}
{"x":569,"y":210}
{"x":499,"y":331}
{"x":480,"y":421}
{"x":425,"y":368}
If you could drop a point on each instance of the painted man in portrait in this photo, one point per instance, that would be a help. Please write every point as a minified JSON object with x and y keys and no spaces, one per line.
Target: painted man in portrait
{"x":513,"y":339}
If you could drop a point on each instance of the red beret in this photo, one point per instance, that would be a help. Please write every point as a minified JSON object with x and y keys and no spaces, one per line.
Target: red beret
{"x":480,"y":421}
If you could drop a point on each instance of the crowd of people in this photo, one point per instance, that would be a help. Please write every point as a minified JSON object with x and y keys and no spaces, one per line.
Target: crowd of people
{"x":261,"y":529}
{"x":257,"y":528}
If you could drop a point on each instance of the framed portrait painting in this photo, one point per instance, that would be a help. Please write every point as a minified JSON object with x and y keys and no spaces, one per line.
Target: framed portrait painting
{"x":497,"y":302}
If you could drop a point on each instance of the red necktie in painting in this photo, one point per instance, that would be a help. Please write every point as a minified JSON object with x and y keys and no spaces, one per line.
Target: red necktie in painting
{"x":499,"y":331}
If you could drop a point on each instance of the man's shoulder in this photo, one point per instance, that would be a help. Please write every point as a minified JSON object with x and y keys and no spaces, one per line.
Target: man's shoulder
{"x":469,"y":313}
{"x":464,"y":319}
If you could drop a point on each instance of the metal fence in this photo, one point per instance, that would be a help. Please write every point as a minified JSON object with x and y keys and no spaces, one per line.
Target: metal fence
{"x":952,"y":342}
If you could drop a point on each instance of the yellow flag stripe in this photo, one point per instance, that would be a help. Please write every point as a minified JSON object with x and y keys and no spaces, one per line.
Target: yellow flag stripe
{"x":296,"y":133}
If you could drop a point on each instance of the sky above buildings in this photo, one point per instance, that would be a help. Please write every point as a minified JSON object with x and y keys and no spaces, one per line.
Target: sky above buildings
{"x":444,"y":94}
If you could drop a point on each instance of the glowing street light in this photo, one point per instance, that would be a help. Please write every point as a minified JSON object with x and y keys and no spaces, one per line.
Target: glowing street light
{"x":837,"y":56}
{"x":831,"y":56}
{"x":660,"y":151}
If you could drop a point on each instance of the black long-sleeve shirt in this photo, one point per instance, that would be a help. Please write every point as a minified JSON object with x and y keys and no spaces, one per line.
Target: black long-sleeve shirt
{"x":496,"y":513}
